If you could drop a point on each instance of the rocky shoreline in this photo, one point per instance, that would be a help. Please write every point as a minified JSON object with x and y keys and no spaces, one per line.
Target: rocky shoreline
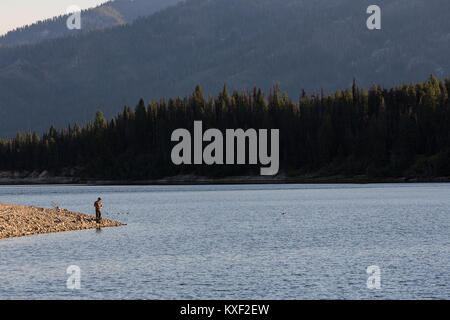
{"x":69,"y":176}
{"x":46,"y":178}
{"x":18,"y":221}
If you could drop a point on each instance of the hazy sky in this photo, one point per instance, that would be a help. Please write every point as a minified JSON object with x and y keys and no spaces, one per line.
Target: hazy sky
{"x":16,"y":13}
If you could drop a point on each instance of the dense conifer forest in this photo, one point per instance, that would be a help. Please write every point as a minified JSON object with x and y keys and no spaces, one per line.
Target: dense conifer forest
{"x":310,"y":44}
{"x":398,"y":132}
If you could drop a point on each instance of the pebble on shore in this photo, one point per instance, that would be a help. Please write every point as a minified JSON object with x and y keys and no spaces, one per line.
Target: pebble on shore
{"x":18,"y":221}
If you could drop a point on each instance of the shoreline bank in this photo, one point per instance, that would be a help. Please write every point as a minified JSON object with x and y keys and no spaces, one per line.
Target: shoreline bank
{"x":47,"y":179}
{"x":18,"y":221}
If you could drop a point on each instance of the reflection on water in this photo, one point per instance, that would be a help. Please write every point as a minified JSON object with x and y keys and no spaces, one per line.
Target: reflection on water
{"x":233,"y":242}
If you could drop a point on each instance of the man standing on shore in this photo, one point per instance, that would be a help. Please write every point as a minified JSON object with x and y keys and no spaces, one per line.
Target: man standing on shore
{"x":98,"y":210}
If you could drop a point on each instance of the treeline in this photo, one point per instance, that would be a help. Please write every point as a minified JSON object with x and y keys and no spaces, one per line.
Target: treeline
{"x":403,"y":131}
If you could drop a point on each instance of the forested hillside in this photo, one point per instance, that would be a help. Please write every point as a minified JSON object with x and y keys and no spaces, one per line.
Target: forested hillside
{"x":109,"y":14}
{"x":297,"y":44}
{"x":378,"y":133}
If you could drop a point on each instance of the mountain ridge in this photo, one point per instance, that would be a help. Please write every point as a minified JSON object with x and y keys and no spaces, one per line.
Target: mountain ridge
{"x":106,"y":15}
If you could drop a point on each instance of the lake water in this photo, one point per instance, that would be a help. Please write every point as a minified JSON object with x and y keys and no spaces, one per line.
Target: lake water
{"x":231,"y":242}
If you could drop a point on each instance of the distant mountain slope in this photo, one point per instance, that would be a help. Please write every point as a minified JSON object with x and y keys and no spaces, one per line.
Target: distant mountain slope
{"x":109,"y":14}
{"x":295,"y":43}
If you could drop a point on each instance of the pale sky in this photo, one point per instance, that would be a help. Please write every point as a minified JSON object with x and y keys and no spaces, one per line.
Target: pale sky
{"x":16,"y":13}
